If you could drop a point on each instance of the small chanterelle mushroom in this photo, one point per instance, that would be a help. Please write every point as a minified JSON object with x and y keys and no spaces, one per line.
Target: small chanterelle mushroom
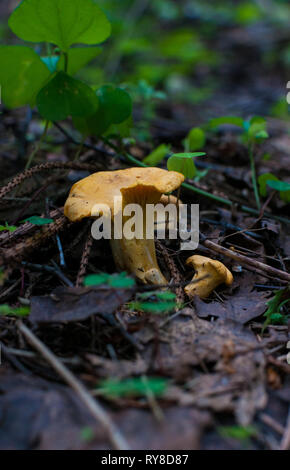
{"x":92,"y":196}
{"x":209,"y":274}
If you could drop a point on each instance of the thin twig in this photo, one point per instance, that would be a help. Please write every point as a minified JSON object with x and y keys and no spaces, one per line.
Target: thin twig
{"x":99,"y":413}
{"x":254,"y":176}
{"x":54,"y":270}
{"x":84,"y":260}
{"x":19,"y":250}
{"x":245,"y":260}
{"x":18,"y":179}
{"x":14,"y":361}
{"x":175,"y":274}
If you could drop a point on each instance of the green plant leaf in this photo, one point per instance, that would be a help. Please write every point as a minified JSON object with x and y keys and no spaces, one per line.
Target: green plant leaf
{"x":78,"y":57}
{"x":247,"y":13}
{"x":157,"y":155}
{"x":262,"y":181}
{"x":158,"y":308}
{"x":241,"y":433}
{"x":161,"y":295}
{"x":22,"y":75}
{"x":195,"y":139}
{"x":273,"y":314}
{"x":258,"y":128}
{"x":61,"y":22}
{"x":165,"y":295}
{"x":117,"y":281}
{"x":10,"y":228}
{"x":278,"y":185}
{"x":18,"y":311}
{"x":234,"y":120}
{"x":115,"y":102}
{"x":65,"y":96}
{"x":36,"y":220}
{"x":268,"y":179}
{"x":133,"y":387}
{"x":285,"y":196}
{"x":183,"y":163}
{"x":121,"y":130}
{"x":115,"y":107}
{"x":96,"y":279}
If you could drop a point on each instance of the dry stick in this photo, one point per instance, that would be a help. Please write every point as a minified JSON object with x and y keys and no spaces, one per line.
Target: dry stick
{"x":285,"y":443}
{"x":16,"y":253}
{"x":175,"y":274}
{"x":115,"y":436}
{"x":84,"y":260}
{"x":245,"y":260}
{"x":25,"y":229}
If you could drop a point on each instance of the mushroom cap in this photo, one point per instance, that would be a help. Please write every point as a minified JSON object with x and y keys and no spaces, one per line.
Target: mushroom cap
{"x":104,"y":186}
{"x":211,"y":266}
{"x":216,"y":273}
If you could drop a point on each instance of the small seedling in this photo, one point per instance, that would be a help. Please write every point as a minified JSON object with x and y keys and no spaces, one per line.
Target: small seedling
{"x":240,"y":433}
{"x":159,"y":303}
{"x":270,"y":180}
{"x":6,"y":310}
{"x":183,"y":163}
{"x":195,"y":140}
{"x":253,"y":132}
{"x":133,"y":387}
{"x":274,"y":313}
{"x":36,"y":220}
{"x":117,"y":281}
{"x":157,"y":155}
{"x":9,"y":228}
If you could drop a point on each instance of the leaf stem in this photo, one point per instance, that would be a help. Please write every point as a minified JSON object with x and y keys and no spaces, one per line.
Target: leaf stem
{"x":37,"y":147}
{"x":254,"y":177}
{"x":65,"y":54}
{"x":79,"y":149}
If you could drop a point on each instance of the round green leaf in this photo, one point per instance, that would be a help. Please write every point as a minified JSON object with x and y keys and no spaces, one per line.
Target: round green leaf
{"x":61,"y":22}
{"x":65,"y":96}
{"x":157,"y":155}
{"x":232,"y":120}
{"x":279,"y":185}
{"x":188,"y":155}
{"x":195,"y":139}
{"x":36,"y":220}
{"x":184,"y":166}
{"x":22,"y":75}
{"x":96,"y":279}
{"x":115,"y":107}
{"x":183,"y":163}
{"x":115,"y":102}
{"x":263,"y":181}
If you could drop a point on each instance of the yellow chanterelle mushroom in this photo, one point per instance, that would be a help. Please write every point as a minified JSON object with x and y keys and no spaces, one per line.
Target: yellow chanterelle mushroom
{"x":209,"y":274}
{"x":134,"y":185}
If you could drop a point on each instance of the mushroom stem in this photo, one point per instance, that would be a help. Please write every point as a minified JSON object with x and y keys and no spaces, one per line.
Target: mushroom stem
{"x":139,"y":258}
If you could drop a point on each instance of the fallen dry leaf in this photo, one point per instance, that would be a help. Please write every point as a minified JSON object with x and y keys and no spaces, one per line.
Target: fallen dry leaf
{"x":240,"y":307}
{"x":67,"y":304}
